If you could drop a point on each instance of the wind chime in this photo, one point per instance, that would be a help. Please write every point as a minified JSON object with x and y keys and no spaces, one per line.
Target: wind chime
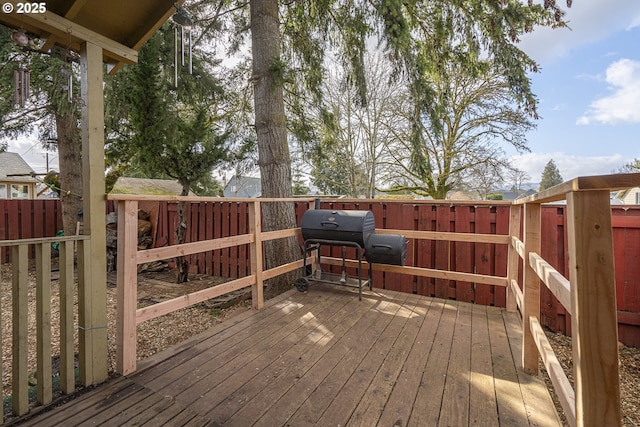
{"x":183,"y":20}
{"x":21,"y":76}
{"x":69,"y":56}
{"x":22,"y":83}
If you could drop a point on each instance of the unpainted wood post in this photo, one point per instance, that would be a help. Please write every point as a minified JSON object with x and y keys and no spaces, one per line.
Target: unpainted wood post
{"x":19,"y":374}
{"x":256,"y":255}
{"x":594,"y":324}
{"x":85,"y":349}
{"x":127,"y":287}
{"x":94,"y":309}
{"x":67,"y":353}
{"x":43,"y":323}
{"x":314,"y":254}
{"x":531,"y":287}
{"x":514,"y":258}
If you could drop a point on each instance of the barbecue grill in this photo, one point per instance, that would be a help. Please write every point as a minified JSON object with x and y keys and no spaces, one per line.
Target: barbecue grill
{"x":344,"y":228}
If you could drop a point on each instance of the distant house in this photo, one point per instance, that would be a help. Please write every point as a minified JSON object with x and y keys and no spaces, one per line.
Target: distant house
{"x":243,"y":186}
{"x":17,"y":179}
{"x":163,"y":187}
{"x":630,"y":196}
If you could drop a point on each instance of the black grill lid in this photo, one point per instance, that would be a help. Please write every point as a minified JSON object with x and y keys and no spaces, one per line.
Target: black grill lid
{"x":342,"y":225}
{"x":386,"y":249}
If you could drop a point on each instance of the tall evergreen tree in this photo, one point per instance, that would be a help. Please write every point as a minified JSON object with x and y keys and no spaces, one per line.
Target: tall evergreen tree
{"x":289,"y":42}
{"x":550,"y":176}
{"x":164,"y":131}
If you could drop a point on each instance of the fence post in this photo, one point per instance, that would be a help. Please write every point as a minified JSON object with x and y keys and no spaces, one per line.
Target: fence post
{"x":531,"y":287}
{"x":594,"y":324}
{"x":514,"y":258}
{"x":255,"y":248}
{"x":127,"y":292}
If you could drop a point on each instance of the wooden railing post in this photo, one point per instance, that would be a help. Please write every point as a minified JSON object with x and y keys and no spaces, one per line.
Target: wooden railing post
{"x":67,"y":353}
{"x":43,"y":322}
{"x":86,"y":348}
{"x":594,"y":324}
{"x":531,"y":287}
{"x":20,"y":273}
{"x":512,"y":265}
{"x":255,"y":248}
{"x":127,"y":292}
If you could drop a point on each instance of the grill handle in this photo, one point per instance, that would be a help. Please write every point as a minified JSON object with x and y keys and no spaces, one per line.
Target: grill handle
{"x":323,"y":223}
{"x":378,"y":245}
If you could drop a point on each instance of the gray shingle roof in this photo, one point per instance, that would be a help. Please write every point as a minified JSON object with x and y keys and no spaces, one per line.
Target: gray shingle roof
{"x":13,"y":164}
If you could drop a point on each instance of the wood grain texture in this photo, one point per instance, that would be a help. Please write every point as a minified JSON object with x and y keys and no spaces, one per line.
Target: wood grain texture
{"x":324,"y":358}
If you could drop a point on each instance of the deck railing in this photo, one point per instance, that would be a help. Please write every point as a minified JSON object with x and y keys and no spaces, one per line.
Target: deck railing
{"x":589,"y":295}
{"x":68,"y":324}
{"x":129,"y":316}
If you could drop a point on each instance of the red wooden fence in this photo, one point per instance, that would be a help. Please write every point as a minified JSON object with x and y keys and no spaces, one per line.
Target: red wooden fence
{"x":42,"y":218}
{"x":25,"y":219}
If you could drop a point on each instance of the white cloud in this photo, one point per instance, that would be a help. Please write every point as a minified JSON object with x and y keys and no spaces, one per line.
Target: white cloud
{"x":570,"y":166}
{"x":30,"y":149}
{"x":589,"y":20}
{"x":623,"y":104}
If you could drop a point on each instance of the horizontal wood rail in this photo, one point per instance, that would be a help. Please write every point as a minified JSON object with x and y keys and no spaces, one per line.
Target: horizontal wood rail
{"x":449,"y":236}
{"x":559,"y":379}
{"x":167,"y":252}
{"x":423,"y":272}
{"x":589,"y":294}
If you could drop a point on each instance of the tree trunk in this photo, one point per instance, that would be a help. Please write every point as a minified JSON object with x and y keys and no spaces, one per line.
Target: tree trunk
{"x":270,"y":124}
{"x":70,"y":162}
{"x":182,"y":264}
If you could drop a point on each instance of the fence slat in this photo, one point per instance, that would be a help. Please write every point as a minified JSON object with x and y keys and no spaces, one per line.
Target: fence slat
{"x":463,"y":253}
{"x":501,"y":255}
{"x":442,"y":250}
{"x":483,"y":255}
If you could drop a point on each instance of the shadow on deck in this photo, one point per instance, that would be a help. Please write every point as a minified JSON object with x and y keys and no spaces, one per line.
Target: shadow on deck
{"x":324,"y":358}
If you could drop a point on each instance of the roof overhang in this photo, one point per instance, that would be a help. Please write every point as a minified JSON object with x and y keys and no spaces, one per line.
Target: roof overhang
{"x":119,"y":27}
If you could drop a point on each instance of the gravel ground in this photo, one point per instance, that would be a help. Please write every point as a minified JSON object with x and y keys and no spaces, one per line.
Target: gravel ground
{"x":629,"y":368}
{"x":153,"y":335}
{"x":158,"y":334}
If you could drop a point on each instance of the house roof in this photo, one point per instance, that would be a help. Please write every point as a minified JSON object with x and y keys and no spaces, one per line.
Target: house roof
{"x":243,"y":186}
{"x":120,"y":27}
{"x":13,"y":164}
{"x":126,"y":185}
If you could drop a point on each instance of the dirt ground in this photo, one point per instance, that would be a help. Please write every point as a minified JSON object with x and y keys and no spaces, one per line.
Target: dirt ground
{"x":158,"y":334}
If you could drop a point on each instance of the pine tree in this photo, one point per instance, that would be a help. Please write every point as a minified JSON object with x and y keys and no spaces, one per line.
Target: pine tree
{"x":163,"y":131}
{"x":550,"y":176}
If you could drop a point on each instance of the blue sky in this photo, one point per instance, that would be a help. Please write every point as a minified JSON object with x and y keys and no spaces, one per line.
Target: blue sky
{"x":589,"y":90}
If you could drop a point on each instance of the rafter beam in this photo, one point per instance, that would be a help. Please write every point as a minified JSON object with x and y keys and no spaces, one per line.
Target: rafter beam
{"x":71,"y":13}
{"x":65,"y":29}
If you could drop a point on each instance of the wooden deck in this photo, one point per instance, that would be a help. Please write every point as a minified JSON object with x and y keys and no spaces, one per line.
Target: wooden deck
{"x":324,"y":358}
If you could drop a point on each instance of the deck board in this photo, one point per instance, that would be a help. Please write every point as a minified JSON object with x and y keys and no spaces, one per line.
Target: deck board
{"x":324,"y":358}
